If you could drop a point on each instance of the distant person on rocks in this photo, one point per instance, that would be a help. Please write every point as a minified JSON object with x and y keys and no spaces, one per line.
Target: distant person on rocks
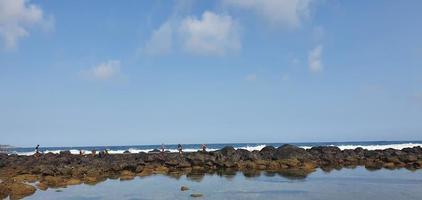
{"x":37,"y":149}
{"x":81,"y":152}
{"x":162,"y":148}
{"x":204,"y":148}
{"x":179,"y":147}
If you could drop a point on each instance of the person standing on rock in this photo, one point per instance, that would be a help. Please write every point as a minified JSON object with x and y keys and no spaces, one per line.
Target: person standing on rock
{"x":162,"y":148}
{"x":37,"y":149}
{"x":179,"y":147}
{"x":204,"y":148}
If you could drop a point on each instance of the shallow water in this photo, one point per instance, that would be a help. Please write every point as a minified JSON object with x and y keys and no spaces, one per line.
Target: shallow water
{"x":356,"y":183}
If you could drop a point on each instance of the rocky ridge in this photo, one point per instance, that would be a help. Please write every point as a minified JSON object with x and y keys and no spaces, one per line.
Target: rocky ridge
{"x":60,"y":170}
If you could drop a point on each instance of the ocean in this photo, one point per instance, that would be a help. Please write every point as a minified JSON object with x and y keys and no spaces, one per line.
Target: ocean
{"x":370,"y":145}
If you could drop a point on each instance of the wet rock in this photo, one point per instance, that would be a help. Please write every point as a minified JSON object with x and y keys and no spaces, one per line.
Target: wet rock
{"x":20,"y":190}
{"x":161,"y":170}
{"x":4,"y":191}
{"x":196,"y":195}
{"x":26,"y":178}
{"x":54,"y":181}
{"x":91,"y":180}
{"x":139,"y":169}
{"x":127,"y":175}
{"x":146,"y":172}
{"x":42,"y":186}
{"x":73,"y":181}
{"x":184,"y":188}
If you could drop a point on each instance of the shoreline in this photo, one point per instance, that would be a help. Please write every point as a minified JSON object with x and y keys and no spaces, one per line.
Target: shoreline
{"x":63,"y":169}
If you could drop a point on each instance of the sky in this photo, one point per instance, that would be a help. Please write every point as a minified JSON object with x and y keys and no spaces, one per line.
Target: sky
{"x":76,"y":73}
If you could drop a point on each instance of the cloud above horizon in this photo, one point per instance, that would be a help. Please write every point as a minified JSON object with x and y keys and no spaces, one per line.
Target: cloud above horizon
{"x":17,"y":17}
{"x":103,"y":71}
{"x":161,"y":40}
{"x":315,"y":59}
{"x":281,"y":13}
{"x":210,"y":35}
{"x":213,"y":34}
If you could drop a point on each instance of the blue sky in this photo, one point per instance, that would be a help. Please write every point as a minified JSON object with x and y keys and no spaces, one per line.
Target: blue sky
{"x":149,"y":72}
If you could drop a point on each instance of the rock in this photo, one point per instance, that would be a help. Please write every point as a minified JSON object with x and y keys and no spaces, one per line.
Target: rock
{"x":4,"y":191}
{"x":267,"y":152}
{"x":21,"y":190}
{"x":389,"y":165}
{"x":228,"y":151}
{"x":291,"y":162}
{"x":65,"y":153}
{"x":42,"y":186}
{"x":290,"y":151}
{"x":26,"y":178}
{"x":154,"y":151}
{"x":184,"y":164}
{"x":184,"y":188}
{"x":161,"y":170}
{"x":146,"y":172}
{"x":196,"y":195}
{"x":73,"y":181}
{"x":127,"y":175}
{"x":139,"y":168}
{"x":54,"y":182}
{"x":91,"y":180}
{"x":126,"y":152}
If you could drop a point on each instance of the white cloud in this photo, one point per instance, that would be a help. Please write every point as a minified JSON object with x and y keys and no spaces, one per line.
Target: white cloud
{"x":286,"y":13}
{"x":160,"y":41}
{"x":250,"y":77}
{"x":104,"y":71}
{"x":17,"y":17}
{"x":315,"y":60}
{"x":213,"y":34}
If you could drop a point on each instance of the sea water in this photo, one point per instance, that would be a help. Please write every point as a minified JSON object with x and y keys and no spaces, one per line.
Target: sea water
{"x":211,"y":147}
{"x":344,"y":184}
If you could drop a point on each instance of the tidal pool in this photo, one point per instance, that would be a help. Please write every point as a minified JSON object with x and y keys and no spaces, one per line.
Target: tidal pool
{"x":357,"y":183}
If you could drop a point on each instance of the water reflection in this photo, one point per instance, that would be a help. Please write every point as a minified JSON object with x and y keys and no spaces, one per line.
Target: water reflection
{"x":350,"y":184}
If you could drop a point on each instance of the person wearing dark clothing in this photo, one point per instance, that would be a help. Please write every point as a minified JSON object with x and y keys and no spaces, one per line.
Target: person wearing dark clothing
{"x":37,"y":151}
{"x":204,"y":148}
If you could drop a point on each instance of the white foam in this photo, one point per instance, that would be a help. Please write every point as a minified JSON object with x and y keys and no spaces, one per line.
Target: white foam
{"x":252,"y":148}
{"x":380,"y":147}
{"x":374,"y":147}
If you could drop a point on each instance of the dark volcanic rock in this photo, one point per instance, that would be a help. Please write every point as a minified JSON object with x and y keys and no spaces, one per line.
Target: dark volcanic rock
{"x":288,"y":151}
{"x":267,"y":152}
{"x":154,"y":151}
